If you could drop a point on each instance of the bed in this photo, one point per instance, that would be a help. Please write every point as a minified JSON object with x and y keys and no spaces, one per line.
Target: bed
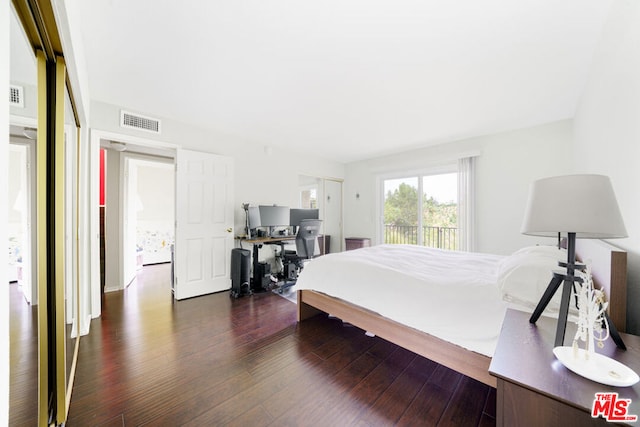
{"x":495,"y":284}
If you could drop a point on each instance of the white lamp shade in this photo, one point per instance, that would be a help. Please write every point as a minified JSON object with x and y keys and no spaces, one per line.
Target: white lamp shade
{"x":581,"y":204}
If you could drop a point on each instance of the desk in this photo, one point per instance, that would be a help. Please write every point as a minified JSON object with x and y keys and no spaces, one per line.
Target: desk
{"x":268,"y":240}
{"x":536,"y":389}
{"x":257,"y":243}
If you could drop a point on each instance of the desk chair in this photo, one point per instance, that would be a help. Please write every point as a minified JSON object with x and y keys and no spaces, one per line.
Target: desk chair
{"x":305,"y":247}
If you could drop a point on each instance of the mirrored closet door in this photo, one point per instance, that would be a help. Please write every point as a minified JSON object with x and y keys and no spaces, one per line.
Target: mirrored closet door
{"x":44,"y":120}
{"x":21,"y":227}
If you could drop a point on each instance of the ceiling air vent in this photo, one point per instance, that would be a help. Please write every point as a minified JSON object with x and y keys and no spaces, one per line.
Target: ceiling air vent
{"x":16,"y":96}
{"x":136,"y":121}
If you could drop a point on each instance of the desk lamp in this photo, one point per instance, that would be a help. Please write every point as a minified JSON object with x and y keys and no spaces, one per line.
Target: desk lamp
{"x":247,"y":232}
{"x":582,"y":206}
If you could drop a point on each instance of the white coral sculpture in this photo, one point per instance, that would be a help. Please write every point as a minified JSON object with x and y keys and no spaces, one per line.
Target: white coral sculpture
{"x":592,"y":323}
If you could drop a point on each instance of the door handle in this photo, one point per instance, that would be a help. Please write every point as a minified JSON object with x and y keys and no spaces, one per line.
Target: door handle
{"x":229,"y":230}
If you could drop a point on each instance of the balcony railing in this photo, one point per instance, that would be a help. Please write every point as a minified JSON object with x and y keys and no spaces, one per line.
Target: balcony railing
{"x":433,"y":237}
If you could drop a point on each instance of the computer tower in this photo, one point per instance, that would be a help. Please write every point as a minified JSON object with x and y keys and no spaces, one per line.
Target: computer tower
{"x":261,"y":277}
{"x":290,"y":271}
{"x":240,"y":272}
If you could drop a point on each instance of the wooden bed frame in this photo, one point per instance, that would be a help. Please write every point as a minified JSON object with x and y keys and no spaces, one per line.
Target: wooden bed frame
{"x":609,"y":271}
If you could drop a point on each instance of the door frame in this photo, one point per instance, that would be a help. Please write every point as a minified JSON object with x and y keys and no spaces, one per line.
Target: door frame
{"x":131,"y":162}
{"x":96,"y":135}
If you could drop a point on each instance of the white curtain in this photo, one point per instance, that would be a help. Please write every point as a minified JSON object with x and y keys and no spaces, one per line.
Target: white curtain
{"x":466,"y":204}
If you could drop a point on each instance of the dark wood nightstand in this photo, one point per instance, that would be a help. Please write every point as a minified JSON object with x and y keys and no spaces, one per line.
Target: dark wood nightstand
{"x":535,"y":389}
{"x":357,"y":242}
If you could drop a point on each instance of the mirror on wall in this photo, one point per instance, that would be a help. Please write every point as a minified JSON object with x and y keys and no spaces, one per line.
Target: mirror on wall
{"x":326,"y":195}
{"x":309,"y":188}
{"x":23,"y":388}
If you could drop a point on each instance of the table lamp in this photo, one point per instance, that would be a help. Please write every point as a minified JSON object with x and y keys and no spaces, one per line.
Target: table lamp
{"x":582,"y":206}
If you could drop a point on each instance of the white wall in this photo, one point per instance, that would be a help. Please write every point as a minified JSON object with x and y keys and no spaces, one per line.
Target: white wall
{"x":263,"y":175}
{"x":507,"y":164}
{"x":4,"y":152}
{"x":607,"y":131}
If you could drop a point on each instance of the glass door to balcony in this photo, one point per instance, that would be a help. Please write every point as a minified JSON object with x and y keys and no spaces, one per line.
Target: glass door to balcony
{"x":422,"y":210}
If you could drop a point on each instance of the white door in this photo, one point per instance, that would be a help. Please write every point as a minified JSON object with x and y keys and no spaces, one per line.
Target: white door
{"x":129,"y":220}
{"x":204,"y":223}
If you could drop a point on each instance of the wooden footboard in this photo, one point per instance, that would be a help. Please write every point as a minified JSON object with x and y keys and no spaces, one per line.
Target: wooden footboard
{"x":466,"y":362}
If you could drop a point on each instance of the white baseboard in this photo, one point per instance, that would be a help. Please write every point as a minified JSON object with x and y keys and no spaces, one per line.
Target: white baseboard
{"x":108,"y":288}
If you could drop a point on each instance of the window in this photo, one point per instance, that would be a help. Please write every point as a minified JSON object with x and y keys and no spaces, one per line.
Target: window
{"x":422,"y":210}
{"x":440,"y":211}
{"x":430,"y":209}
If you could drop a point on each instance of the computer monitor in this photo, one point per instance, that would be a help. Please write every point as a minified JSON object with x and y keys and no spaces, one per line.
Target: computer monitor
{"x":274,"y":216}
{"x":297,"y":215}
{"x":254,"y":217}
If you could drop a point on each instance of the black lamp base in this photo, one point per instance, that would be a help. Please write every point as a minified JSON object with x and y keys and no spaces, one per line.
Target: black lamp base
{"x":568,"y":282}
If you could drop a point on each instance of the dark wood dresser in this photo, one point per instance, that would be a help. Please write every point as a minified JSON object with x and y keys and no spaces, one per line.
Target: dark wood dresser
{"x":357,"y":242}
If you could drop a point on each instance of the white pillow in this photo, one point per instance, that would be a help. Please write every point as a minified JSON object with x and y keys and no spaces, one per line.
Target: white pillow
{"x":525,"y":275}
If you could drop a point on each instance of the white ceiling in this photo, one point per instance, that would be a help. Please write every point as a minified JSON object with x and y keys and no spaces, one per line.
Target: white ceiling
{"x":346,"y":79}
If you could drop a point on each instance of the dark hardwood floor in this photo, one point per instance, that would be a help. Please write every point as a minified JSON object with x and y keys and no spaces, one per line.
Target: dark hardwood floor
{"x":23,"y":388}
{"x":213,"y":360}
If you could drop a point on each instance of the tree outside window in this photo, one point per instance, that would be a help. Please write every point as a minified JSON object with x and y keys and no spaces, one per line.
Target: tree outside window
{"x":437,"y":224}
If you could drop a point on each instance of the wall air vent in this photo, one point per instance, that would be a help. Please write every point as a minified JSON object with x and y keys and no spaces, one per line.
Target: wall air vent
{"x":137,"y":121}
{"x":16,"y":96}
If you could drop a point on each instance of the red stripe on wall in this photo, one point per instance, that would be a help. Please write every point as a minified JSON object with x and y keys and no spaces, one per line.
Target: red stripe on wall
{"x":103,"y":154}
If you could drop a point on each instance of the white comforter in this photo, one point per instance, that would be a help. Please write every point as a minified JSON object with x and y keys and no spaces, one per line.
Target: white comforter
{"x":451,"y":295}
